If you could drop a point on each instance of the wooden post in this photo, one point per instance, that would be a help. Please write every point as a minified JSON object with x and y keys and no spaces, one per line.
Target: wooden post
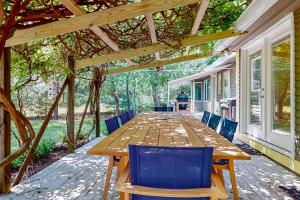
{"x":5,"y":119}
{"x":97,"y":104}
{"x":70,"y":113}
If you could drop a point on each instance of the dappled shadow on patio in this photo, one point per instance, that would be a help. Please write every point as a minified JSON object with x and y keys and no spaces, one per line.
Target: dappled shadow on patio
{"x":79,"y":176}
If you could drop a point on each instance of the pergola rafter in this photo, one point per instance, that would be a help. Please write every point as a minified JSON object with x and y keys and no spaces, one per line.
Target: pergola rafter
{"x":99,"y":18}
{"x":72,"y":6}
{"x":157,"y":47}
{"x":152,"y":32}
{"x":158,"y":63}
{"x":200,"y":15}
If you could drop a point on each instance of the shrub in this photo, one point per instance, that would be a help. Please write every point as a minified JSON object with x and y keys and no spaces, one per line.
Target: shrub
{"x":18,"y":162}
{"x":45,"y":147}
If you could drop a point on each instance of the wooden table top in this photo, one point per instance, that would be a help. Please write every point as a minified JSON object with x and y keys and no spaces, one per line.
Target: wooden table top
{"x":167,"y":129}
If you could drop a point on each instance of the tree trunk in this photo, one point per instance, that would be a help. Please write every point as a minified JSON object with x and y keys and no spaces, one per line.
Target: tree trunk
{"x":117,"y":100}
{"x":5,"y":119}
{"x":56,"y":115}
{"x":97,"y":105}
{"x":70,"y":112}
{"x":128,"y":93}
{"x":156,"y":98}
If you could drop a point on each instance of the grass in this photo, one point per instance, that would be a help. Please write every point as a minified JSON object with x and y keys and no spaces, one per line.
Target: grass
{"x":56,"y":130}
{"x":54,"y":134}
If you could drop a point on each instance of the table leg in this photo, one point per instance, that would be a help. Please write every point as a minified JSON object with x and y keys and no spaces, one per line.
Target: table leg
{"x":233,"y":179}
{"x":108,"y":177}
{"x":123,"y":162}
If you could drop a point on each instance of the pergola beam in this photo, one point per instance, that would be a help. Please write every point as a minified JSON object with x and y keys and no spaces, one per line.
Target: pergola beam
{"x":157,"y":63}
{"x":198,"y":20}
{"x":73,"y":7}
{"x":152,"y":32}
{"x":99,"y":18}
{"x":157,"y":47}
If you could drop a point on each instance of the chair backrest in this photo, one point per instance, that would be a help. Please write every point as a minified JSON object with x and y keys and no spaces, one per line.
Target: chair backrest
{"x":163,"y":109}
{"x":214,"y":121}
{"x":112,"y":124}
{"x":228,"y":129}
{"x":170,"y":168}
{"x":124,"y":118}
{"x":130,"y":114}
{"x":170,"y":109}
{"x":205,"y":117}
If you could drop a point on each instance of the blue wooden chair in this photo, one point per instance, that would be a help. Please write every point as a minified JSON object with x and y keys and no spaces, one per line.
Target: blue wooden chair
{"x":205,"y":117}
{"x":228,"y":129}
{"x":124,"y":118}
{"x":130,"y":114}
{"x":112,"y":124}
{"x":160,"y":172}
{"x":214,"y":121}
{"x":163,"y":109}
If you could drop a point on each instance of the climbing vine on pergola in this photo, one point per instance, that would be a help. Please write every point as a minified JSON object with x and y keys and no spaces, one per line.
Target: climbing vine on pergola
{"x":92,"y":34}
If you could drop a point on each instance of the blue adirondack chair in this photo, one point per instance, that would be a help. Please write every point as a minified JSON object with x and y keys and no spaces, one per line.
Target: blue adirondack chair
{"x":130,"y":114}
{"x":124,"y":118}
{"x":228,"y":129}
{"x":205,"y":117}
{"x":214,"y":121}
{"x":173,"y":168}
{"x":112,"y":124}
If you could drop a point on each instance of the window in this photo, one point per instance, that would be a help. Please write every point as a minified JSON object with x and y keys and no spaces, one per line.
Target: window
{"x":226,"y":84}
{"x":281,"y":75}
{"x":198,"y":91}
{"x":219,"y":84}
{"x":206,"y":90}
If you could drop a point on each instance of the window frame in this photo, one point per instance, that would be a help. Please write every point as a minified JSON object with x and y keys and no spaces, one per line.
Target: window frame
{"x":206,"y":90}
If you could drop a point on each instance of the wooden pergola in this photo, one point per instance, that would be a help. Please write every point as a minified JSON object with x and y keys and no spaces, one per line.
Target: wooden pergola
{"x":93,"y":21}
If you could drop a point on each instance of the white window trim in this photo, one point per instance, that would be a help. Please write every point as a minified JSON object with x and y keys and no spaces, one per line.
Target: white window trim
{"x":226,"y":73}
{"x":206,"y":90}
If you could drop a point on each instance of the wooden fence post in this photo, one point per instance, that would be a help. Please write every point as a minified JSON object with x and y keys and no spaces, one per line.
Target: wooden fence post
{"x":71,"y":97}
{"x":5,"y":119}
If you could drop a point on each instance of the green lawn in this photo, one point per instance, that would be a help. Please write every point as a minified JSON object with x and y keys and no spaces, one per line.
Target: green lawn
{"x":54,"y":134}
{"x":57,"y":129}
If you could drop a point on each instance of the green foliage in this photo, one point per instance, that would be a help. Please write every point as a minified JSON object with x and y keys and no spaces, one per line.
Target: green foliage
{"x":18,"y":162}
{"x":45,"y":147}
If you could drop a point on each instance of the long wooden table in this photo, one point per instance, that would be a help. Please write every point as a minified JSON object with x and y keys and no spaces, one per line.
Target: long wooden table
{"x":167,"y":129}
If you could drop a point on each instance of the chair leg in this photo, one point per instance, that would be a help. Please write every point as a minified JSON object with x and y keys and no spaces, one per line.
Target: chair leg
{"x":233,"y":180}
{"x":108,"y":177}
{"x":220,"y":173}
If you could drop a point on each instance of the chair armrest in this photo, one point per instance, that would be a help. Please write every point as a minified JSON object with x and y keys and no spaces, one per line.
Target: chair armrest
{"x":123,"y":185}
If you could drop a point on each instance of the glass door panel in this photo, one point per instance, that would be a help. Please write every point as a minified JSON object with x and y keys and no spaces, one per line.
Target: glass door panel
{"x":255,"y":95}
{"x":281,"y":94}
